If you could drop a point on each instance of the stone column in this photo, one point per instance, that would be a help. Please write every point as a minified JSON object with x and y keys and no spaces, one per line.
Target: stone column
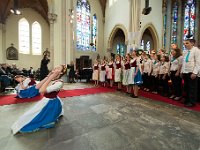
{"x":70,"y":32}
{"x":180,"y":22}
{"x":2,"y":43}
{"x":197,"y":15}
{"x":134,"y":25}
{"x":59,"y":33}
{"x":168,"y":29}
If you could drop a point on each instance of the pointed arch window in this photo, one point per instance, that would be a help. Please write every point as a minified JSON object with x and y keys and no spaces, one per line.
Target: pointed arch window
{"x":36,"y":39}
{"x":83,"y":25}
{"x":94,"y":32}
{"x":24,"y":36}
{"x":174,"y":22}
{"x":189,"y":19}
{"x":121,"y":49}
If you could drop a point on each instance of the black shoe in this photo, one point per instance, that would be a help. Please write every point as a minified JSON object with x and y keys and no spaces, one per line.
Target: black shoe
{"x":133,"y":96}
{"x":189,"y":105}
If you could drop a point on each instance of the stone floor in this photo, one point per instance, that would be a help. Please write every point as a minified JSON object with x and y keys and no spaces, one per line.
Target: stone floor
{"x":109,"y":121}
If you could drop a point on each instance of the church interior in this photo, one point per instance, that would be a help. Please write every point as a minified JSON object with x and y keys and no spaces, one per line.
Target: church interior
{"x":59,"y":45}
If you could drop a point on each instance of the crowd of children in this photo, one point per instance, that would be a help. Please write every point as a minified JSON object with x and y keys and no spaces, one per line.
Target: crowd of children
{"x":174,"y":75}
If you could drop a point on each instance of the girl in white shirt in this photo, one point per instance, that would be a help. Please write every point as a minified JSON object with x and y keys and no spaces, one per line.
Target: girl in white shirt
{"x":164,"y":75}
{"x":175,"y":68}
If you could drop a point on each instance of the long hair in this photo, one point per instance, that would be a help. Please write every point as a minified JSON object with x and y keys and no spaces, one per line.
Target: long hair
{"x":178,"y":52}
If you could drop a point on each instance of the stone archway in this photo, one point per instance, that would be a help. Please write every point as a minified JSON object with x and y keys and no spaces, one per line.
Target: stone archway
{"x":113,"y":33}
{"x":150,"y":29}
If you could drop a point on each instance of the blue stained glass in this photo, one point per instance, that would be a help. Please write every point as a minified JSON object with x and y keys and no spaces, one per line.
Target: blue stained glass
{"x":142,"y":45}
{"x":189,"y":19}
{"x":174,"y":22}
{"x":164,"y":29}
{"x":148,"y":47}
{"x":121,"y":49}
{"x":83,"y":25}
{"x":94,"y":32}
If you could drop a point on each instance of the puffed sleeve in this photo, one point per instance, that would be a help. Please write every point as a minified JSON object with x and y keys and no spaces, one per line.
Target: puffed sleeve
{"x":54,"y":87}
{"x":26,"y":82}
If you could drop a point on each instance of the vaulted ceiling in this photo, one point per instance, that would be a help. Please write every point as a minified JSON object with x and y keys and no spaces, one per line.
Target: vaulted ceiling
{"x":40,"y":6}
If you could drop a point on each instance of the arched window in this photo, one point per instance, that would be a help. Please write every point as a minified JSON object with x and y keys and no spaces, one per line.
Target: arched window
{"x":121,"y":49}
{"x":36,"y":39}
{"x":24,"y":36}
{"x":174,"y":22}
{"x":164,"y":29}
{"x":94,"y":32}
{"x":189,"y":19}
{"x":83,"y":25}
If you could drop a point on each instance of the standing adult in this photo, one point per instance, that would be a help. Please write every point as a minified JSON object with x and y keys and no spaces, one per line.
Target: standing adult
{"x":44,"y":71}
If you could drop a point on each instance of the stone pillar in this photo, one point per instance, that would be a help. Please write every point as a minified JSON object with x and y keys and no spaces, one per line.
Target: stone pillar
{"x":168,"y":29}
{"x":180,"y":22}
{"x":70,"y":32}
{"x":2,"y":43}
{"x":134,"y":25}
{"x":59,"y":33}
{"x":197,"y":15}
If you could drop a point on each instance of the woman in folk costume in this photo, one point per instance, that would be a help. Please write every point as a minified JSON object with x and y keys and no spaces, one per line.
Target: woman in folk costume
{"x":95,"y":74}
{"x":102,"y":76}
{"x":164,"y":75}
{"x":110,"y":72}
{"x":118,"y":72}
{"x":147,"y":68}
{"x":135,"y":77}
{"x":175,"y":69}
{"x":47,"y":111}
{"x":126,"y":72}
{"x":26,"y":87}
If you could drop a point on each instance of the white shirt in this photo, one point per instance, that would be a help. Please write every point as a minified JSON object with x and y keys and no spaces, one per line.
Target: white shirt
{"x":176,"y":63}
{"x":193,"y":64}
{"x":147,"y":63}
{"x":164,"y":68}
{"x":54,"y":86}
{"x":25,"y":83}
{"x":155,"y":68}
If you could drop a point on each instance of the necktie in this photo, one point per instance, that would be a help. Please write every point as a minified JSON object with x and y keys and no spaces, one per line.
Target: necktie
{"x":187,"y":57}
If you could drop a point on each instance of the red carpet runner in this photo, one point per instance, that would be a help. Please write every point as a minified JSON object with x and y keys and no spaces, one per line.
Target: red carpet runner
{"x":160,"y":98}
{"x":10,"y":99}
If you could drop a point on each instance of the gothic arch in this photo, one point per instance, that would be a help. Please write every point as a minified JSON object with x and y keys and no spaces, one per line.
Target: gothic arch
{"x":154,"y":34}
{"x":113,"y":32}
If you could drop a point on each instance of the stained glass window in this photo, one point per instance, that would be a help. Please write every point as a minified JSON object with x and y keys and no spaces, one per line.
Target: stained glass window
{"x":148,"y":47}
{"x":189,"y":19}
{"x":36,"y":39}
{"x":83,"y":25}
{"x":24,"y":38}
{"x":121,"y":49}
{"x":164,"y":29}
{"x":174,"y":22}
{"x":94,"y":32}
{"x":142,"y":45}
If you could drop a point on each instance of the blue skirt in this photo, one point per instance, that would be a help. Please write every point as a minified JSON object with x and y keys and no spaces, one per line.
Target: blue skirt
{"x":28,"y":93}
{"x":46,"y":118}
{"x":138,"y":78}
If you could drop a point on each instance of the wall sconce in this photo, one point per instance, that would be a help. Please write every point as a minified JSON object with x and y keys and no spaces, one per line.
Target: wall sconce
{"x":52,"y":17}
{"x":71,"y":14}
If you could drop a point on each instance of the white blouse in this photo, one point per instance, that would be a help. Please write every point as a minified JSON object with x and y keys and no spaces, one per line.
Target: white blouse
{"x":25,"y":83}
{"x":54,"y":86}
{"x":193,"y":64}
{"x":176,"y":63}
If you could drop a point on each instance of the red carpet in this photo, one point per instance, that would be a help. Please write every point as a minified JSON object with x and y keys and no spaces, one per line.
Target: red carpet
{"x":10,"y":99}
{"x":160,"y":98}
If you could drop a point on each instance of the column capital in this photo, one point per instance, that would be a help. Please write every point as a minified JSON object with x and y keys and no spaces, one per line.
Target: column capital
{"x":52,"y":17}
